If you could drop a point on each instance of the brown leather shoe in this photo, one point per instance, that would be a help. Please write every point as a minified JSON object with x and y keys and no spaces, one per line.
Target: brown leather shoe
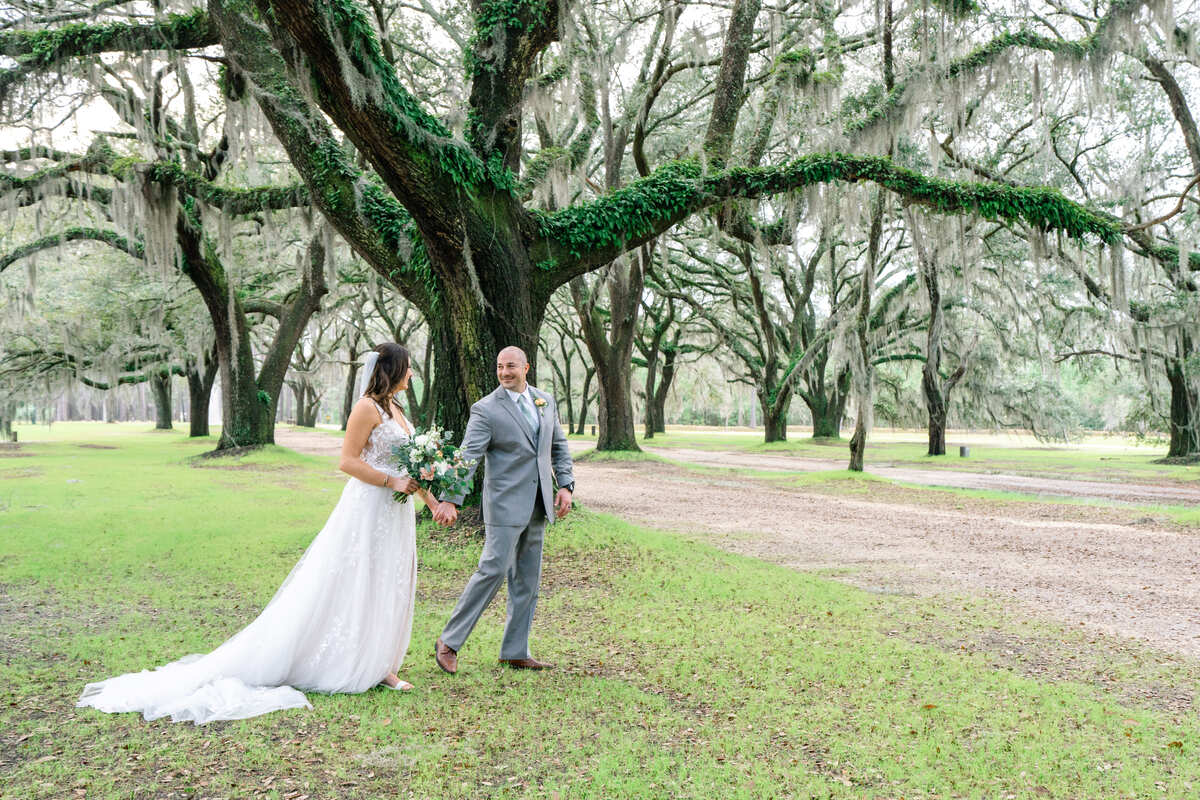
{"x":526,"y":663}
{"x":446,"y":658}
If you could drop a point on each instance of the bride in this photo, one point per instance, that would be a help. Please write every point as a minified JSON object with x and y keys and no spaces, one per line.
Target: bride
{"x":342,"y":619}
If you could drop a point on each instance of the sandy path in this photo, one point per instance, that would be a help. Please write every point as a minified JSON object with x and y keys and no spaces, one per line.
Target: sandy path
{"x":1146,"y":494}
{"x":1132,"y":581}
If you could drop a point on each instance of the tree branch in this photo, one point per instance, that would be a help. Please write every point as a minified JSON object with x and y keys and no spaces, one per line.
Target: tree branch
{"x":366,"y":216}
{"x":42,"y":50}
{"x":72,"y":235}
{"x":578,"y":239}
{"x":352,"y":82}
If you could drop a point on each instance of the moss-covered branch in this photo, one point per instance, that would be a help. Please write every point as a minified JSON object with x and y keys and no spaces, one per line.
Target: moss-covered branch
{"x":412,"y":151}
{"x":35,"y":152}
{"x":102,"y":160}
{"x":580,"y":238}
{"x":51,"y":182}
{"x":231,"y":200}
{"x":42,"y":50}
{"x":109,"y":238}
{"x":53,"y":179}
{"x":372,"y":221}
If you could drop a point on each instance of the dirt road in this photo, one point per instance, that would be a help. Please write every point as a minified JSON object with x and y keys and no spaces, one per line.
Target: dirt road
{"x":1077,"y":564}
{"x":1141,"y":494}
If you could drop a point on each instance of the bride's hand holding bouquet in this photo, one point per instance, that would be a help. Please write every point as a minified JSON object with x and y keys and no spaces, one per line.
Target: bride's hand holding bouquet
{"x":434,"y":463}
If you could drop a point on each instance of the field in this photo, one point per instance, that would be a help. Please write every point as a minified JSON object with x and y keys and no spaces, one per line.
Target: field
{"x":685,"y":670}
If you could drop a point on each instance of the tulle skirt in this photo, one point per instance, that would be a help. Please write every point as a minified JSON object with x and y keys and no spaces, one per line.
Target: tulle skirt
{"x":340,"y":622}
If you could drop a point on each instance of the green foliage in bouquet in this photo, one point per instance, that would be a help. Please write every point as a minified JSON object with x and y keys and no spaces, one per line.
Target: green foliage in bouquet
{"x":434,"y":463}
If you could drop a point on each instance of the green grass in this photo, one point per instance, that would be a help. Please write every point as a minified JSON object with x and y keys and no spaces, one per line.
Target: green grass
{"x":684,"y":671}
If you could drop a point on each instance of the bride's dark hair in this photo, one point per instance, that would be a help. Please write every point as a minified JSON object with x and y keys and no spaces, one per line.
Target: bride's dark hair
{"x":390,"y":369}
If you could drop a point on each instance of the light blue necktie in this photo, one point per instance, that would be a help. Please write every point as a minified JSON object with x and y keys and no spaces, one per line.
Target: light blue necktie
{"x":530,"y":415}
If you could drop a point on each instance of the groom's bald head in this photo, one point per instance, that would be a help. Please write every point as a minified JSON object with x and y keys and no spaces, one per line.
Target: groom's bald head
{"x":512,"y":353}
{"x":511,"y":367}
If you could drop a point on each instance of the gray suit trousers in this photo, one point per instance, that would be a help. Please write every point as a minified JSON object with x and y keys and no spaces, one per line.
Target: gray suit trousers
{"x":508,"y":551}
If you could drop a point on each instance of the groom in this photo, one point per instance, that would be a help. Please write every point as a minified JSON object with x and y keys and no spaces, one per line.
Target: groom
{"x":515,"y":430}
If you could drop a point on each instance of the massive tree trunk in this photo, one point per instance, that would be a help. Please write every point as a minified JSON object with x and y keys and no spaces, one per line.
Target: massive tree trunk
{"x":200,"y":384}
{"x":1184,"y":422}
{"x":656,"y":402}
{"x":160,"y":389}
{"x":467,"y":339}
{"x":611,"y":350}
{"x":828,"y":407}
{"x":615,"y":419}
{"x":775,"y":413}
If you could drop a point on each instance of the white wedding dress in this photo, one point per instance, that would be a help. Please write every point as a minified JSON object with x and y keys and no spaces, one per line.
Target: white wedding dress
{"x":340,"y":622}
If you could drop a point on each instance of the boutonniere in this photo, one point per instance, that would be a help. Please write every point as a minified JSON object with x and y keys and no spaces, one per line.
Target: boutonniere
{"x":540,"y":402}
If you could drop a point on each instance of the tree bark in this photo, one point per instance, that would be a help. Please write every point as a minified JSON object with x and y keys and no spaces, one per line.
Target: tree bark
{"x":562,"y":380}
{"x":658,"y":376}
{"x":200,"y":384}
{"x":775,"y":420}
{"x":828,"y":407}
{"x":584,"y":400}
{"x":657,"y":403}
{"x":348,"y":398}
{"x":651,"y":379}
{"x":160,"y":388}
{"x":611,"y":351}
{"x":418,"y":405}
{"x":864,"y":380}
{"x":615,"y":419}
{"x":1184,"y":423}
{"x":308,"y":402}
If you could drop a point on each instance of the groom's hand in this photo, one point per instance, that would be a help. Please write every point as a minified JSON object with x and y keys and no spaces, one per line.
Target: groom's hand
{"x":445,"y":513}
{"x":562,"y":503}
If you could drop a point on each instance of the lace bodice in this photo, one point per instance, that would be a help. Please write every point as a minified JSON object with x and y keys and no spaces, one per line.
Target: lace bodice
{"x":384,"y":436}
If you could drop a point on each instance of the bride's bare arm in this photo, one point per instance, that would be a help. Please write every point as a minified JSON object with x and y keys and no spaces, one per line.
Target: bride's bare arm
{"x":363,"y":419}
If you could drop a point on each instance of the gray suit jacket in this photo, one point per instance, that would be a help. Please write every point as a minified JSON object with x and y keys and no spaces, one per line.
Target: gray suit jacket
{"x":515,"y":466}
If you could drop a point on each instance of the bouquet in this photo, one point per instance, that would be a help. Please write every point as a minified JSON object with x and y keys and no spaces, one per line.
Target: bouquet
{"x":435,"y":464}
